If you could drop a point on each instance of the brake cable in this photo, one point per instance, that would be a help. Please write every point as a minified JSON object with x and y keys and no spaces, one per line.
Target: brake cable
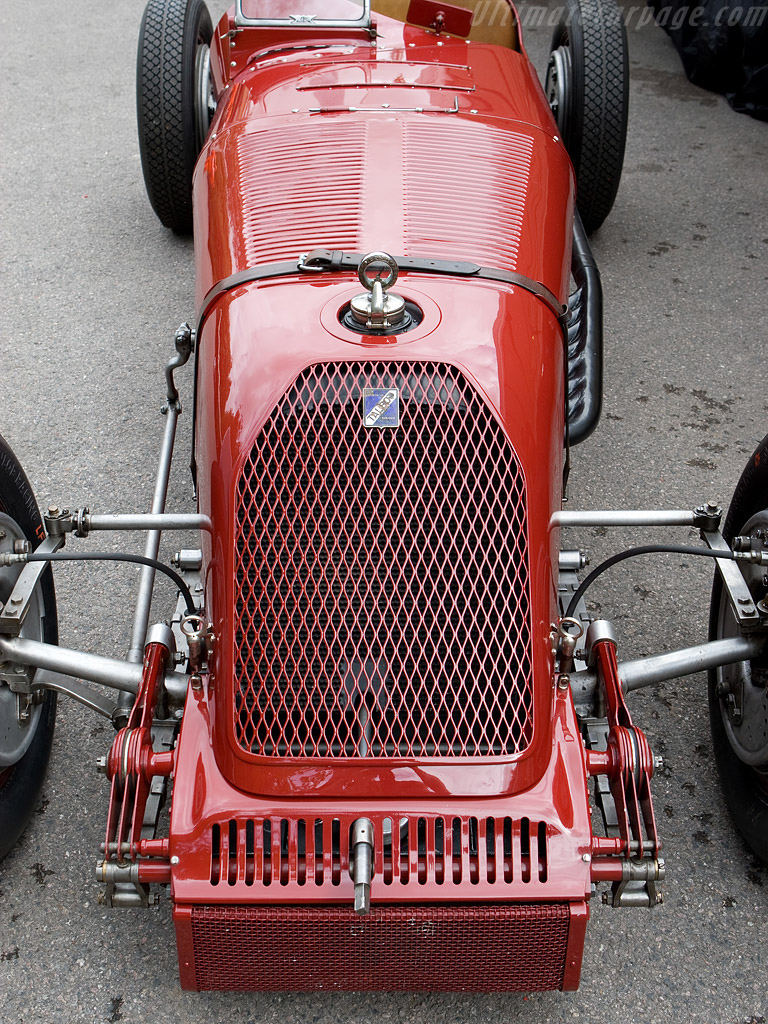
{"x":646,"y":549}
{"x":108,"y":556}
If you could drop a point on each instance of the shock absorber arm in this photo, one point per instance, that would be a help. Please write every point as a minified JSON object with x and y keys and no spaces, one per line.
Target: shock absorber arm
{"x":131,"y":766}
{"x":631,"y":860}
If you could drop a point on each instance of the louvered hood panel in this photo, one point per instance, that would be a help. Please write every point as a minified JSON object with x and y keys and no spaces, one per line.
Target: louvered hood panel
{"x":486,"y":218}
{"x":300,"y":188}
{"x":449,"y":188}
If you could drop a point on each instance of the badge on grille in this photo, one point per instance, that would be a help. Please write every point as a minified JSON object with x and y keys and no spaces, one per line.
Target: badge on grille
{"x":381,"y":407}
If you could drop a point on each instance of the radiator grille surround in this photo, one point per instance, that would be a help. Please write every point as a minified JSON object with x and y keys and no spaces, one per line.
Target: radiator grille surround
{"x":381,"y":575}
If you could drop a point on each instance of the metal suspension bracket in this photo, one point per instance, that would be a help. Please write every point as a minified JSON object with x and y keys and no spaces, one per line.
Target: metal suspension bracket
{"x":200,"y":640}
{"x":13,"y":613}
{"x":631,"y":859}
{"x":134,"y":767}
{"x":743,"y":605}
{"x":184,"y":340}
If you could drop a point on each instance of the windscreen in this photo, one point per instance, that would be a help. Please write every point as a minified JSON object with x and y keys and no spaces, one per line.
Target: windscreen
{"x":305,"y":12}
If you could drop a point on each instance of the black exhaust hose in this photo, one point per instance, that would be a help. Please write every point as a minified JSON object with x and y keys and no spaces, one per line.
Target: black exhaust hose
{"x":585,"y":339}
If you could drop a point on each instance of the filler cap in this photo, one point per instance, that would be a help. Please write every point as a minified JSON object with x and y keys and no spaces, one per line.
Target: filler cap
{"x":375,"y":309}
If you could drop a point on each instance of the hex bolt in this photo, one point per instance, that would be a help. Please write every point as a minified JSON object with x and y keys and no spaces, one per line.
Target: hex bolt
{"x":101,"y":765}
{"x":53,"y":511}
{"x":734,"y":710}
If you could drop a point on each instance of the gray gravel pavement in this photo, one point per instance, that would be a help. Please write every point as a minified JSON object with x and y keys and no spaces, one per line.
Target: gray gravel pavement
{"x":93,"y":288}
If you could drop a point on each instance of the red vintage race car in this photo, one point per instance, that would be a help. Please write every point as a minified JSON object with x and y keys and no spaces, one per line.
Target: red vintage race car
{"x":381,"y":709}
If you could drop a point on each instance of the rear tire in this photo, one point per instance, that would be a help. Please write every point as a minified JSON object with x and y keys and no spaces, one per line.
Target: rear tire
{"x":173,"y":103}
{"x":22,"y":780}
{"x":745,"y":786}
{"x":587,"y":86}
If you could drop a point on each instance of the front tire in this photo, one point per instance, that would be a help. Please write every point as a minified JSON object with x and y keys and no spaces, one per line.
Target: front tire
{"x":587,"y":86}
{"x":738,"y":694}
{"x":174,"y":103}
{"x":24,"y":749}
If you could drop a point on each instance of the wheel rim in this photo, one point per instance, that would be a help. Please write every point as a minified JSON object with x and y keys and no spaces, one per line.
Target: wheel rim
{"x":16,"y":737}
{"x":743,"y":688}
{"x":205,"y":104}
{"x":557,"y":87}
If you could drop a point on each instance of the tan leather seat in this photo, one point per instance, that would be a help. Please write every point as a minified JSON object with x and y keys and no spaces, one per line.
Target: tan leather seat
{"x":494,"y":20}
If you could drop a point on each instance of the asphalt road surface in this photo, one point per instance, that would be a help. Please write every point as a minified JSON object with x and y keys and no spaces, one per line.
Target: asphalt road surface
{"x":92,"y":290}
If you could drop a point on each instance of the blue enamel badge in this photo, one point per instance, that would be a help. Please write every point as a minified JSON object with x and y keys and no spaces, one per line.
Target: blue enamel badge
{"x":381,"y":407}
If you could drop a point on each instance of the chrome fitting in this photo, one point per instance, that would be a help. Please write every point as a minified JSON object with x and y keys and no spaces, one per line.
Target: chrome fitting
{"x":377,"y":309}
{"x":163,"y":635}
{"x":570,"y":631}
{"x":572,"y":561}
{"x":187,"y":560}
{"x":361,"y":863}
{"x":600,"y":630}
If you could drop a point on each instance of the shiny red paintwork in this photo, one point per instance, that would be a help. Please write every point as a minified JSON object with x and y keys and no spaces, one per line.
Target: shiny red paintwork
{"x":559,"y":801}
{"x":244,"y":372}
{"x":272,"y":100}
{"x":260,"y":337}
{"x":490,"y":183}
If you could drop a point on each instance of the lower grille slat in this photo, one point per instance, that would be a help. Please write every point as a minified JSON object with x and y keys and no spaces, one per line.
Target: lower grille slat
{"x":434,"y":948}
{"x":382,"y":581}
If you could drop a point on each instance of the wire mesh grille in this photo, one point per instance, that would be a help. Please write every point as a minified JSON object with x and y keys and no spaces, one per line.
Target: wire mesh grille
{"x":469,"y":948}
{"x":382,"y":581}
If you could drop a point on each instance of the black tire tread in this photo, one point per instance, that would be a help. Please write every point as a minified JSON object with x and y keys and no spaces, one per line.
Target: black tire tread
{"x":597,"y":131}
{"x":746,"y":800}
{"x":165,"y":122}
{"x":606,"y":73}
{"x":20,"y":785}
